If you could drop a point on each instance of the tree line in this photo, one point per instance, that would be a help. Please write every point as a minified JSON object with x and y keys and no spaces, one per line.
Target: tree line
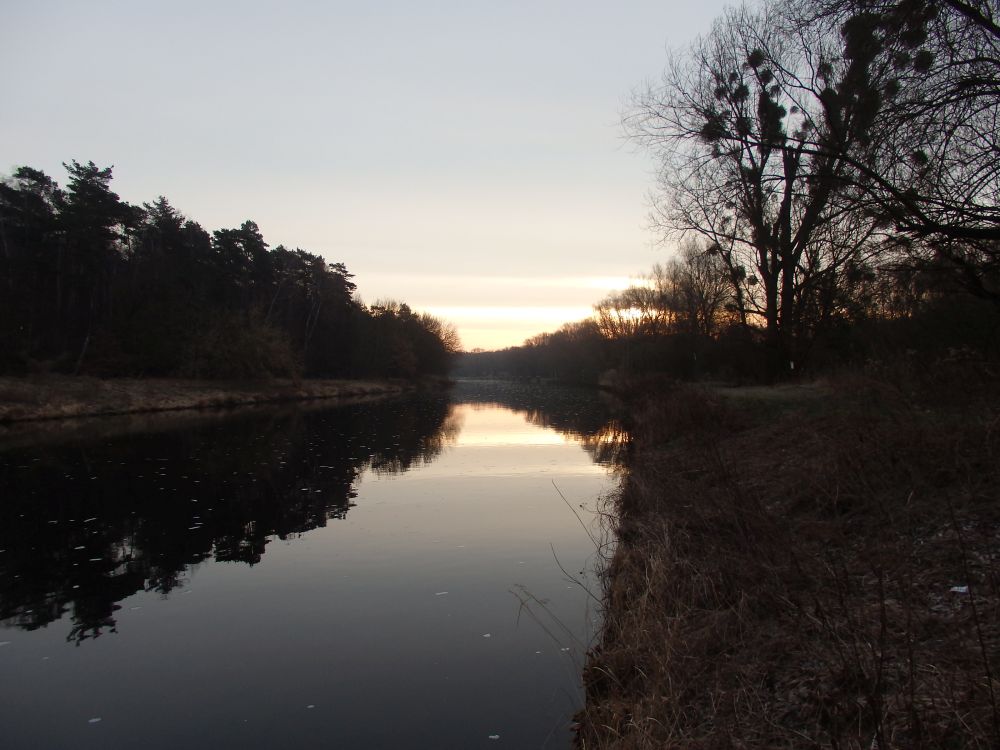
{"x":831,"y":172}
{"x":92,"y":284}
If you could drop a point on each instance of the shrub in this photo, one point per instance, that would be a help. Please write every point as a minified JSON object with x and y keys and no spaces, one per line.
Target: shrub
{"x":238,"y":346}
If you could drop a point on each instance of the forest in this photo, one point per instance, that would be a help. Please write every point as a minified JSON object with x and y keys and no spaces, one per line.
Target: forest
{"x":94,"y":285}
{"x":830,"y":172}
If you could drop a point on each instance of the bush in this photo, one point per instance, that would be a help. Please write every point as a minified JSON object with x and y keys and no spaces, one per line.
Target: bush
{"x":239,"y":347}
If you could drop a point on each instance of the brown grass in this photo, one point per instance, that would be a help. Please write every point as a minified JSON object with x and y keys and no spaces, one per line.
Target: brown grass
{"x":61,"y":397}
{"x":785,"y":572}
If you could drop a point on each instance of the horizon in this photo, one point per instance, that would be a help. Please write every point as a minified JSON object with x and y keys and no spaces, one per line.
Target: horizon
{"x":466,"y":160}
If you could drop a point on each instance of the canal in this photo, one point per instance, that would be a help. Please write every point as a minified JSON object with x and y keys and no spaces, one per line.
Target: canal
{"x":415,"y":572}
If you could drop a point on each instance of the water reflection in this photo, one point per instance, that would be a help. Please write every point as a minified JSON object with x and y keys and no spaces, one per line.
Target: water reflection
{"x":577,"y":413}
{"x":379,"y":575}
{"x":83,"y":525}
{"x":86,"y":523}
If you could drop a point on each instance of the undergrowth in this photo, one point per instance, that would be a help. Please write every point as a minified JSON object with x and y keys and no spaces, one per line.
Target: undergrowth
{"x":820,"y":575}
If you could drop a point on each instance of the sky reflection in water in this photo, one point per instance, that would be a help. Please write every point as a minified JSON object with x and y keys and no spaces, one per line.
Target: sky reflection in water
{"x":313,"y":577}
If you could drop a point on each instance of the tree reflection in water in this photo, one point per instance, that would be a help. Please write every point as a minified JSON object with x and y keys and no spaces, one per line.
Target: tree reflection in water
{"x":85,"y":524}
{"x":582,"y":414}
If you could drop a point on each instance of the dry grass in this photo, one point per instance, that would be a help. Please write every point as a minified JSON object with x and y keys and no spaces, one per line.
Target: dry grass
{"x":790,"y":575}
{"x":61,"y":397}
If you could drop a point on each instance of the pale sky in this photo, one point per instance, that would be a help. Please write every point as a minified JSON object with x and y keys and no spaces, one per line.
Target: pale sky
{"x":464,"y":157}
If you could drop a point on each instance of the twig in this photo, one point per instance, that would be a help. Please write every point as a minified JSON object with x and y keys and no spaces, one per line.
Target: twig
{"x":569,"y":505}
{"x":572,"y":578}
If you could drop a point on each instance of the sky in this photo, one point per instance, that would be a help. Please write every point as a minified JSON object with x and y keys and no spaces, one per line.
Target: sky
{"x":464,"y":157}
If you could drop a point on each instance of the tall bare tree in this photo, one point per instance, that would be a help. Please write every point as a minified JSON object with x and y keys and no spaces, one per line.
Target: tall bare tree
{"x":752,"y":126}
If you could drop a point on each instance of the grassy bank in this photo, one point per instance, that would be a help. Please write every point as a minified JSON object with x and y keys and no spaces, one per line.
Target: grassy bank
{"x":816,"y":571}
{"x":61,"y":397}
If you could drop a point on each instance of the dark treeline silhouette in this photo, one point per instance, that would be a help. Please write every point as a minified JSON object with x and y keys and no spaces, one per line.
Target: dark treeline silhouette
{"x":93,"y":284}
{"x":573,"y":354}
{"x":832,"y":171}
{"x":167,"y":500}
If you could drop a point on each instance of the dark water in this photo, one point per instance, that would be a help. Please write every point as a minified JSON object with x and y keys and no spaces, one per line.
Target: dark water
{"x":390,"y":574}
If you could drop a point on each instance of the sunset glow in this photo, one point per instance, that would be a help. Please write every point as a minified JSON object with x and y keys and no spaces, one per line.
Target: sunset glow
{"x":443,"y":166}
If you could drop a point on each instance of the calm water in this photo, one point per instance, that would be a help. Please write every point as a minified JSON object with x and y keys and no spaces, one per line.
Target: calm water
{"x":391,"y":574}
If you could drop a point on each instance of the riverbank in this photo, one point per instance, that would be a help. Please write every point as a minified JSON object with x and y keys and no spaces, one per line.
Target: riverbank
{"x":815,"y":571}
{"x":62,"y":397}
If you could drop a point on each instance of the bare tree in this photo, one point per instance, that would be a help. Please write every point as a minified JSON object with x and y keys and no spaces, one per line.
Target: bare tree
{"x":931,"y":168}
{"x":752,"y":126}
{"x":638,"y":310}
{"x":695,"y":286}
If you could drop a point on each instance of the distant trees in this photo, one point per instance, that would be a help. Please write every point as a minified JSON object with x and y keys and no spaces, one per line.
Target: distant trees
{"x":639,"y":310}
{"x":689,"y":294}
{"x":676,"y":306}
{"x":660,"y":323}
{"x":404,"y":343}
{"x":94,"y":284}
{"x":576,"y":353}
